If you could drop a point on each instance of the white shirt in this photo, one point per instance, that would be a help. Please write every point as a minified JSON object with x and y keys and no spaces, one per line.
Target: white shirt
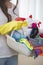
{"x":5,"y":51}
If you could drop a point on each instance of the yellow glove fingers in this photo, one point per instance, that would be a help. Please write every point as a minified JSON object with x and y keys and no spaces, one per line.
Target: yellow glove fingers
{"x":13,"y":25}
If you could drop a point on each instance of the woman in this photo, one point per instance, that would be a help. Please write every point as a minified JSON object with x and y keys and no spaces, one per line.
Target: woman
{"x":8,"y":12}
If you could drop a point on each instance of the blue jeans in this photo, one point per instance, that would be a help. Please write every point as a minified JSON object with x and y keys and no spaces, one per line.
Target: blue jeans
{"x":9,"y":61}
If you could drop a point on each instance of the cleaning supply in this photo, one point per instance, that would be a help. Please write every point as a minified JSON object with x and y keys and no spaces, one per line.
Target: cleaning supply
{"x":21,"y":38}
{"x":41,"y":50}
{"x":37,"y":53}
{"x":34,"y":31}
{"x":26,"y":42}
{"x":17,"y":35}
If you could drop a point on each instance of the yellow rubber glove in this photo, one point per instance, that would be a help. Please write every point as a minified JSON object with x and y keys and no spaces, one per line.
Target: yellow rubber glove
{"x":13,"y":25}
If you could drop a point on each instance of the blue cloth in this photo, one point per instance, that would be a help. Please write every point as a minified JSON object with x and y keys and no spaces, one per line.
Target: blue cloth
{"x":36,"y":42}
{"x":9,"y":61}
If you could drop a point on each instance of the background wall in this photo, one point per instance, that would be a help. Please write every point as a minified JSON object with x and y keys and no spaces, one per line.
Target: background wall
{"x":23,"y":60}
{"x":34,"y":7}
{"x":26,"y":7}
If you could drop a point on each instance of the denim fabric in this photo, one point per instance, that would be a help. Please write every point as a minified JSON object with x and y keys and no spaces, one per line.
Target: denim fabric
{"x":9,"y":61}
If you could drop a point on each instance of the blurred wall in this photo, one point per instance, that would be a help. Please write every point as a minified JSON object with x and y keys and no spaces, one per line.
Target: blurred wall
{"x":23,"y":60}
